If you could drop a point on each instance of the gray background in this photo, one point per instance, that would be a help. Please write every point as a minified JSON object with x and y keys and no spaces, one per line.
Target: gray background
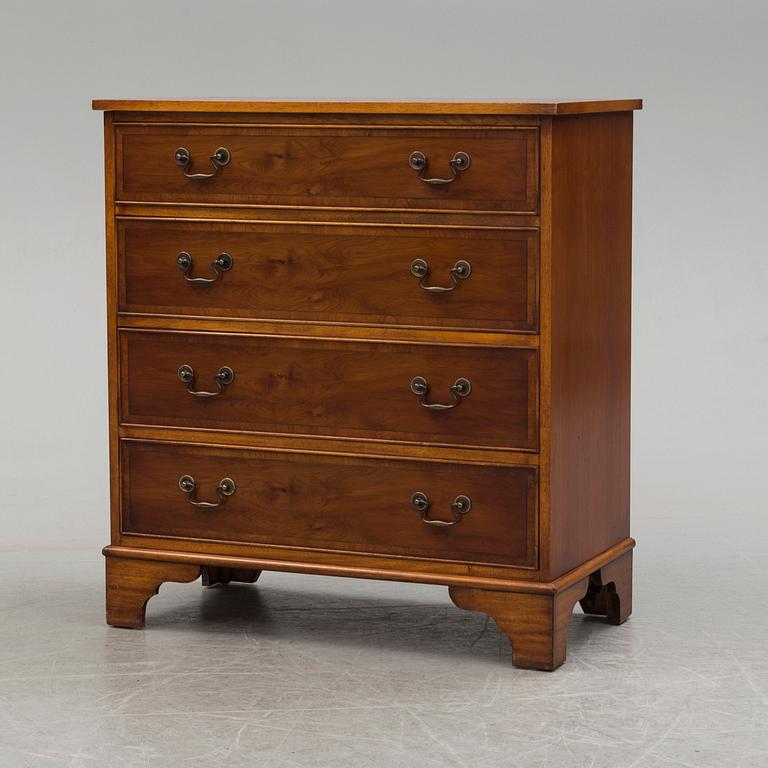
{"x":700,"y":276}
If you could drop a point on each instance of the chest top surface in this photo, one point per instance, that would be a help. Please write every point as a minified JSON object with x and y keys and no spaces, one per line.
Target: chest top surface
{"x":335,"y":106}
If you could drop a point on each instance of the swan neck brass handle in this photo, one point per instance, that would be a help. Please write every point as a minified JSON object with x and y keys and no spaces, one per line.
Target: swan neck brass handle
{"x":224,"y":489}
{"x":224,"y":377}
{"x":461,"y":270}
{"x":459,"y":389}
{"x":222,"y":263}
{"x":219,"y":159}
{"x":459,"y":162}
{"x":459,"y":507}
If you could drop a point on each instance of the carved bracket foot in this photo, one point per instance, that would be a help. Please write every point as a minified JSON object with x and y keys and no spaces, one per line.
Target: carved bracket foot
{"x":536,"y":623}
{"x":610,"y":590}
{"x":214,"y":574}
{"x":131,"y":583}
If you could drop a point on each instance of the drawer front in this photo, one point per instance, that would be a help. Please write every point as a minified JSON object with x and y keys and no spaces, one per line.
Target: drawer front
{"x":331,"y":166}
{"x":331,"y":274}
{"x":352,"y":504}
{"x":332,"y":388}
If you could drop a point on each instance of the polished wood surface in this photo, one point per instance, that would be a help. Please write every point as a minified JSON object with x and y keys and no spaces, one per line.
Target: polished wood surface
{"x":537,"y":624}
{"x":112,"y":310}
{"x":336,"y":331}
{"x":326,"y":444}
{"x":323,"y":563}
{"x":330,"y":502}
{"x":334,"y":166}
{"x":536,"y":621}
{"x":260,"y":106}
{"x":332,"y":388}
{"x":590,"y":335}
{"x":331,"y":274}
{"x":323,"y":323}
{"x":304,"y":215}
{"x":131,"y":583}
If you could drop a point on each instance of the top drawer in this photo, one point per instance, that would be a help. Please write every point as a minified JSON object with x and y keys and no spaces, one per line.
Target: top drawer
{"x":331,"y":166}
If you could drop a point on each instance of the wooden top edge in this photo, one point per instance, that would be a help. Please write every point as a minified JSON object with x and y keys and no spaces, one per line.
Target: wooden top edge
{"x":568,"y":107}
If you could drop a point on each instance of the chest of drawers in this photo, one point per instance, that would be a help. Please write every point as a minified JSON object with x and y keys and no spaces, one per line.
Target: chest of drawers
{"x":381,"y":340}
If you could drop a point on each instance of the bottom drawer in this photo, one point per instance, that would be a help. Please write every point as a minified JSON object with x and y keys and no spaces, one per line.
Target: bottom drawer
{"x":350,"y":504}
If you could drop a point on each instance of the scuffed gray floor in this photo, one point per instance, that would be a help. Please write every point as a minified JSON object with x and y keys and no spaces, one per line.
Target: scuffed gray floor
{"x":323,"y":672}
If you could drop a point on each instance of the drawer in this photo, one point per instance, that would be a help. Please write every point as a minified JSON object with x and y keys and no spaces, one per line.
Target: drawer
{"x":335,"y":166}
{"x":351,"y":504}
{"x":352,"y":389}
{"x":331,"y":274}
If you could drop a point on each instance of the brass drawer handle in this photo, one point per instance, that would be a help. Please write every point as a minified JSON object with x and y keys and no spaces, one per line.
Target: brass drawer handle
{"x":225,"y":376}
{"x":460,"y":506}
{"x":222,"y":263}
{"x":461,"y":270}
{"x":218,"y":159}
{"x":459,"y":162}
{"x":459,"y":389}
{"x":226,"y":487}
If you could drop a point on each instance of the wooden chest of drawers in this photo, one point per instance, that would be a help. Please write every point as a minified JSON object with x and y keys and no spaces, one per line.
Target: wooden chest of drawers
{"x":384,"y":340}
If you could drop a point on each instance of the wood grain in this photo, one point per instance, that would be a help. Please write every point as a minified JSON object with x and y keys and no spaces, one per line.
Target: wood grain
{"x":537,"y":625}
{"x":331,"y":331}
{"x":302,"y":215}
{"x":333,"y":445}
{"x":331,"y":106}
{"x":333,"y":503}
{"x":356,"y":565}
{"x":131,"y":583}
{"x":112,"y":301}
{"x":331,"y":274}
{"x":545,"y":343}
{"x":590,"y":336}
{"x":331,"y":388}
{"x":359,"y":167}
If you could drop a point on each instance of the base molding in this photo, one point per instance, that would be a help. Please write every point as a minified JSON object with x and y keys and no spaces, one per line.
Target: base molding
{"x":534,"y":615}
{"x":415,"y":576}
